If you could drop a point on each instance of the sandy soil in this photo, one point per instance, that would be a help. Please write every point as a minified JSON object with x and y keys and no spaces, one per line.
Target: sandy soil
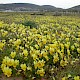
{"x":2,"y":77}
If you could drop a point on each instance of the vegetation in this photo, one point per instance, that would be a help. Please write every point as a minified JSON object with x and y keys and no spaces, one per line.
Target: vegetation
{"x":35,"y":8}
{"x":31,"y":24}
{"x":48,"y":52}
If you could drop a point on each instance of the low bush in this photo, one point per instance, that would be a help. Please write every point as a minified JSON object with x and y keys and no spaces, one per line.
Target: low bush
{"x":32,"y":24}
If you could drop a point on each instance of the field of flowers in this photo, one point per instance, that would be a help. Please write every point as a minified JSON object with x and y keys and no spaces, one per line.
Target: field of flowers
{"x":48,"y":50}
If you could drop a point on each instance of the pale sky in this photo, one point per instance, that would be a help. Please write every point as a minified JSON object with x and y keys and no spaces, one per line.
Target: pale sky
{"x":57,"y":3}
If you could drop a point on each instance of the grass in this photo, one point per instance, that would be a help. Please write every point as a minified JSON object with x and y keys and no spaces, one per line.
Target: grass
{"x":73,"y":70}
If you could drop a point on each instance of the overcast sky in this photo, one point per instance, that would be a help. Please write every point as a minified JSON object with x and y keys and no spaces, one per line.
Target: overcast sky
{"x":56,"y":3}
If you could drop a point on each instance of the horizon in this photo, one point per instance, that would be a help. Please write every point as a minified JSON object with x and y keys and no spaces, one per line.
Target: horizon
{"x":40,"y":5}
{"x":56,"y":3}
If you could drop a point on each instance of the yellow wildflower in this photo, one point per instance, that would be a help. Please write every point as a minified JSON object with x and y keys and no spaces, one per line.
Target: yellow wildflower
{"x":25,"y":53}
{"x":76,"y":78}
{"x":7,"y":71}
{"x":23,"y":67}
{"x":41,"y":72}
{"x":56,"y":58}
{"x":13,"y":54}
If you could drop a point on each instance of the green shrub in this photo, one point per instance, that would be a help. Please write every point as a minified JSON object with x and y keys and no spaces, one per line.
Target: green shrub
{"x":32,"y":24}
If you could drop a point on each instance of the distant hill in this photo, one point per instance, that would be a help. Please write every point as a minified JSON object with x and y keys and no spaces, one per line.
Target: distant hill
{"x":19,"y":7}
{"x":75,"y":8}
{"x":26,"y":7}
{"x":50,"y":8}
{"x":33,"y":7}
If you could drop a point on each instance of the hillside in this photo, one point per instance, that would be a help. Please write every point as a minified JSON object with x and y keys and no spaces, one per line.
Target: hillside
{"x":75,"y":8}
{"x":34,"y":7}
{"x":26,"y":7}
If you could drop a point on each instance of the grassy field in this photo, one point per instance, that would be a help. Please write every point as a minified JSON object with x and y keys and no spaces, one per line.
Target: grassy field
{"x":39,"y":47}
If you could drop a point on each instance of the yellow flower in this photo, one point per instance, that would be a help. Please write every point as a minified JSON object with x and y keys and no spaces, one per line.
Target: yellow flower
{"x":8,"y":62}
{"x":76,"y":78}
{"x":13,"y":54}
{"x":41,"y":72}
{"x":10,"y":41}
{"x":72,"y":47}
{"x":68,"y":51}
{"x":64,"y":78}
{"x":46,"y":47}
{"x":5,"y":60}
{"x":7,"y":71}
{"x":17,"y":48}
{"x":44,"y":53}
{"x":67,"y":39}
{"x":23,"y":67}
{"x":1,"y":45}
{"x":78,"y":50}
{"x":16,"y":62}
{"x":62,"y":45}
{"x":56,"y":58}
{"x":40,"y":55}
{"x":63,"y":63}
{"x":47,"y":58}
{"x":2,"y":66}
{"x":29,"y":68}
{"x":25,"y":53}
{"x":35,"y":64}
{"x":34,"y":56}
{"x":22,"y":48}
{"x":76,"y":44}
{"x":53,"y":45}
{"x":36,"y":46}
{"x":39,"y":64}
{"x":17,"y":42}
{"x":4,"y":33}
{"x":52,"y":50}
{"x":44,"y":41}
{"x":67,"y":46}
{"x":11,"y":62}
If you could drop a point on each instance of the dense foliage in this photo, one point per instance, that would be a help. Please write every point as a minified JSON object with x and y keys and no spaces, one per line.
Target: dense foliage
{"x":40,"y":52}
{"x":31,"y":24}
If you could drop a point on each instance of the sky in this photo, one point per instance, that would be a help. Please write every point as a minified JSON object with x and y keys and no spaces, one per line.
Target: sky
{"x":57,"y":3}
